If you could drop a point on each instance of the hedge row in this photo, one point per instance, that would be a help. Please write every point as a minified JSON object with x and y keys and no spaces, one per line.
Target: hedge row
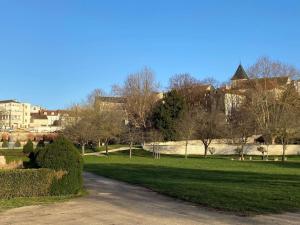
{"x":58,"y":171}
{"x":28,"y":182}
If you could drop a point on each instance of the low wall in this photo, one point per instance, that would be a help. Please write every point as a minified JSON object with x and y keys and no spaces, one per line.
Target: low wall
{"x":197,"y":148}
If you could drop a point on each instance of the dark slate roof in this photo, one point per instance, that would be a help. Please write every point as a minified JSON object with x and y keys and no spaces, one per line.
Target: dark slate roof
{"x":9,"y":101}
{"x":240,"y":74}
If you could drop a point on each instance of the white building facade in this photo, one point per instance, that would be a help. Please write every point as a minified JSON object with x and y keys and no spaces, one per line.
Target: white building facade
{"x":14,"y":114}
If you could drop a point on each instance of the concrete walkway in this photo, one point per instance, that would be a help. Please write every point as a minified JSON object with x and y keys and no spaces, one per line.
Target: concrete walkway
{"x":112,"y":202}
{"x":103,"y":153}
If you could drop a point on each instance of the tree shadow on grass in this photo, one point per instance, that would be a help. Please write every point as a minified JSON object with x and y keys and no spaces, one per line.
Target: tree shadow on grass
{"x":236,"y":191}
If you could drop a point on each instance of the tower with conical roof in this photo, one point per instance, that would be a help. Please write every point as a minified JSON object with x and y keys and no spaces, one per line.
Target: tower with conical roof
{"x":239,"y":75}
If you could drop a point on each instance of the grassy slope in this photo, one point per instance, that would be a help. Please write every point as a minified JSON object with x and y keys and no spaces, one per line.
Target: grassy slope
{"x":241,"y":187}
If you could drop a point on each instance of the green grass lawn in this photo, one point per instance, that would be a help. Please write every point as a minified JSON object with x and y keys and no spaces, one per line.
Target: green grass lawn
{"x":248,"y":187}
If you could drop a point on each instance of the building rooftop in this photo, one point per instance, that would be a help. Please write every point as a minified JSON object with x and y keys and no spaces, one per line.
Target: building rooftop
{"x":9,"y":101}
{"x":240,"y":74}
{"x":38,"y":116}
{"x":49,"y":112}
{"x":265,"y":83}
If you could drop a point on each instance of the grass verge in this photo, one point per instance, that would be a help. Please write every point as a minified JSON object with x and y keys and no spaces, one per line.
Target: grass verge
{"x":6,"y":204}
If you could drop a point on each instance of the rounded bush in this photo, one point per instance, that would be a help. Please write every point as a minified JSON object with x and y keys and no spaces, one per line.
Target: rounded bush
{"x":5,"y":144}
{"x":17,"y":144}
{"x":28,"y":147}
{"x":40,"y":144}
{"x":62,"y":155}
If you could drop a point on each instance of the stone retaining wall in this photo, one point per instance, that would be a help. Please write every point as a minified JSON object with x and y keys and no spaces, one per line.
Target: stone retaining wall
{"x":197,"y":148}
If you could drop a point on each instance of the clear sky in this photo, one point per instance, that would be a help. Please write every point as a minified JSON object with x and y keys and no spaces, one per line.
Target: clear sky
{"x":54,"y":52}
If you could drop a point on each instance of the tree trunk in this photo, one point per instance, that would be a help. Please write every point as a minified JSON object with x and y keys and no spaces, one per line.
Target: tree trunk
{"x":106,"y":147}
{"x":130,"y":150}
{"x":99,"y":143}
{"x":273,"y":140}
{"x":82,"y":149}
{"x":283,"y":151}
{"x":205,"y":150}
{"x":153,"y":153}
{"x":242,"y":153}
{"x":186,"y":148}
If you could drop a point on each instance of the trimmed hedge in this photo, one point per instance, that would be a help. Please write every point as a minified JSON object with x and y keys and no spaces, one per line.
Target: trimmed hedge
{"x":27,"y":182}
{"x":28,"y":147}
{"x":40,"y":144}
{"x":5,"y":144}
{"x":17,"y":144}
{"x":62,"y":155}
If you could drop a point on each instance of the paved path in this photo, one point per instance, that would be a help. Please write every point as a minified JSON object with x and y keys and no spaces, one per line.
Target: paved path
{"x":114,"y":203}
{"x":102,"y":153}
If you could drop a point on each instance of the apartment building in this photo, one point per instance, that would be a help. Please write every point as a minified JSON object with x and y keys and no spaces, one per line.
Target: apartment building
{"x":35,"y":108}
{"x":14,"y":114}
{"x":38,"y":120}
{"x":53,"y":116}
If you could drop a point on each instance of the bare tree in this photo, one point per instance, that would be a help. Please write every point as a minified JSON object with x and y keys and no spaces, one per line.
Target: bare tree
{"x":194,"y":92}
{"x":276,"y":112}
{"x":154,"y":136}
{"x":110,"y":126}
{"x":286,"y":118}
{"x":182,"y":81}
{"x":186,"y":127}
{"x":211,"y":81}
{"x":92,"y":123}
{"x":210,"y":126}
{"x":140,"y":91}
{"x":266,"y":67}
{"x":131,"y":135}
{"x":80,"y":132}
{"x":241,"y":127}
{"x":93,"y":96}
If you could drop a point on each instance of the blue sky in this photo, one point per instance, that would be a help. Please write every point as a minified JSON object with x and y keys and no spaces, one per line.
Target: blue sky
{"x":54,"y":52}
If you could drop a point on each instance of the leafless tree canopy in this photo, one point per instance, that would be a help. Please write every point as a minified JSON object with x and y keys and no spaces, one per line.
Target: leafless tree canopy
{"x":92,"y":123}
{"x":211,"y":81}
{"x":182,"y":81}
{"x":140,"y":91}
{"x":92,"y":97}
{"x":210,"y":125}
{"x":241,"y":126}
{"x":186,"y":127}
{"x":266,"y":67}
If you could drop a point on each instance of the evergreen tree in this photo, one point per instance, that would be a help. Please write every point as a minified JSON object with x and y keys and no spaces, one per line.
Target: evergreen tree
{"x":166,"y":113}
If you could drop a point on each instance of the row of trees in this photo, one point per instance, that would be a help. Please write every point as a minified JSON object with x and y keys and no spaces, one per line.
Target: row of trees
{"x":190,"y":109}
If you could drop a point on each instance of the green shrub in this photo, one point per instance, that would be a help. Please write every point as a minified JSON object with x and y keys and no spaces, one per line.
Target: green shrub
{"x":28,"y":147}
{"x":40,"y":144}
{"x":62,"y":155}
{"x":17,"y":144}
{"x":27,"y":182}
{"x":5,"y":144}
